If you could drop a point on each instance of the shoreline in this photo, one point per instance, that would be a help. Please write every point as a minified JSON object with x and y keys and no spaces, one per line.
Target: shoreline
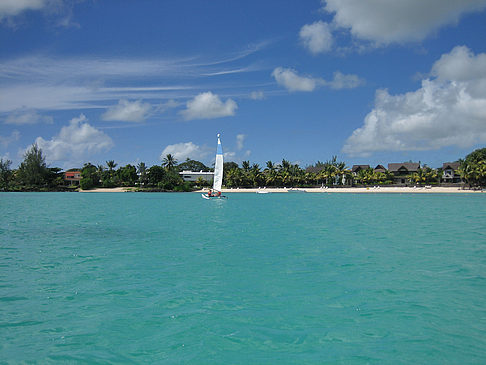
{"x":369,"y":190}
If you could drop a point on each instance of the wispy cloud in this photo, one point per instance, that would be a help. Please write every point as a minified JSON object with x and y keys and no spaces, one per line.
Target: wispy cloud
{"x":257,"y":95}
{"x":10,"y":8}
{"x":27,"y":116}
{"x":6,"y":140}
{"x":44,"y":83}
{"x":240,"y":139}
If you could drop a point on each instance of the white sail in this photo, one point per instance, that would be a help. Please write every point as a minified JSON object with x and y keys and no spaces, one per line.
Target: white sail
{"x":218,"y":167}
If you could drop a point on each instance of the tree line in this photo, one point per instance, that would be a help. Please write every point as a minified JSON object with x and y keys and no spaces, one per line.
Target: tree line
{"x":33,"y":174}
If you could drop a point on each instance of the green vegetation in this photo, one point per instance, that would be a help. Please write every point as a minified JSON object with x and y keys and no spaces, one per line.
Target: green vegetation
{"x":473,"y":168}
{"x":33,"y":174}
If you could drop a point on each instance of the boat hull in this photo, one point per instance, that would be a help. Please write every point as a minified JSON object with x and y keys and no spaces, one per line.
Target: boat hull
{"x":205,"y":196}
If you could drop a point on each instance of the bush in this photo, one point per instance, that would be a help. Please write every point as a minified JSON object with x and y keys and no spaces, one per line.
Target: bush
{"x":183,"y":187}
{"x":86,"y":183}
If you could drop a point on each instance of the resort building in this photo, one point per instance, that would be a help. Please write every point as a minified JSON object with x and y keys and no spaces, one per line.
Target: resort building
{"x":196,"y":175}
{"x":380,"y":168}
{"x":401,"y":171}
{"x":449,"y":174}
{"x":72,"y":177}
{"x":357,"y":168}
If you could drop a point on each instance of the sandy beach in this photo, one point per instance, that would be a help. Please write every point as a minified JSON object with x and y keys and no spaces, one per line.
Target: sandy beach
{"x":370,"y":190}
{"x":108,"y":190}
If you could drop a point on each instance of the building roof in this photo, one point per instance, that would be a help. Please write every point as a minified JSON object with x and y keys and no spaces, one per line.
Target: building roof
{"x":450,"y":165}
{"x":408,"y":166}
{"x":196,"y":172}
{"x":72,"y":175}
{"x":380,"y":168}
{"x":357,"y":168}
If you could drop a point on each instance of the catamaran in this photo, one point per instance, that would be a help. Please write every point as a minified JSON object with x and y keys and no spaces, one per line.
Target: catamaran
{"x":215,"y":192}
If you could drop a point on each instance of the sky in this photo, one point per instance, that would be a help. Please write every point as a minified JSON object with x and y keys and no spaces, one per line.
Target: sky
{"x":371,"y":82}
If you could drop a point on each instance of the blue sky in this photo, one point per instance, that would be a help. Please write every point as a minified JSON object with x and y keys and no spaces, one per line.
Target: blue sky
{"x":129,"y":81}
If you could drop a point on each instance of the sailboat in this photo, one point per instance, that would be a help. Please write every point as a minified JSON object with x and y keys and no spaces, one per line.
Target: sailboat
{"x":215,"y":192}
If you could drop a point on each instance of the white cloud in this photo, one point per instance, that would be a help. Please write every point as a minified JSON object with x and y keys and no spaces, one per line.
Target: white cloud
{"x":342,"y":81}
{"x":229,"y":156}
{"x":257,"y":95}
{"x":5,"y":141}
{"x":208,"y":106}
{"x":27,"y":116}
{"x":448,"y":110}
{"x":75,"y":142}
{"x":397,"y":21}
{"x":126,"y":111}
{"x":460,"y":65}
{"x":184,"y":150}
{"x":289,"y":78}
{"x":240,"y":139}
{"x":316,"y":37}
{"x":15,"y":7}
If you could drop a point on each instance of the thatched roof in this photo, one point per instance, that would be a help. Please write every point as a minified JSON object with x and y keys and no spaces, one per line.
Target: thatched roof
{"x":451,"y":165}
{"x":357,"y":168}
{"x":405,"y":166}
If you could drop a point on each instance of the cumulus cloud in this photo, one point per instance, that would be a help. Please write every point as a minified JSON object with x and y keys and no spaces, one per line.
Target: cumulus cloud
{"x":15,"y":7}
{"x":184,"y":150}
{"x":208,"y":106}
{"x":289,"y":79}
{"x":5,"y":141}
{"x":257,"y":95}
{"x":316,"y":37}
{"x":27,"y":116}
{"x":397,"y":21}
{"x":126,"y":111}
{"x":448,"y":110}
{"x":229,"y":156}
{"x":240,"y":139}
{"x":75,"y":142}
{"x":342,"y":81}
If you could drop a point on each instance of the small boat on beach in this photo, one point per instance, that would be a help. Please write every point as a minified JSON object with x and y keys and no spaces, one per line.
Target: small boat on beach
{"x":295,"y":190}
{"x":215,"y":192}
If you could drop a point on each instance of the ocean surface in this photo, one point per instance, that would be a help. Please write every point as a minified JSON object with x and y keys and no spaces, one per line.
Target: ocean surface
{"x":254,"y":279}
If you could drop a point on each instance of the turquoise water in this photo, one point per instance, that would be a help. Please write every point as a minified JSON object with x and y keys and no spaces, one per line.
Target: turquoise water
{"x":255,"y":279}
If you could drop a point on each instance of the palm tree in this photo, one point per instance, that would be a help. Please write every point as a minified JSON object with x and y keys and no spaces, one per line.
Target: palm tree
{"x":285,"y":166}
{"x":169,"y":162}
{"x":111,"y":165}
{"x":270,"y":166}
{"x":256,"y":176}
{"x":233,"y":177}
{"x":142,"y":172}
{"x":246,"y":166}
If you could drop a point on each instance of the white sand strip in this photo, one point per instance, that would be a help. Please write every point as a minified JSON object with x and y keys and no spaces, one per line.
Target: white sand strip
{"x":370,"y":190}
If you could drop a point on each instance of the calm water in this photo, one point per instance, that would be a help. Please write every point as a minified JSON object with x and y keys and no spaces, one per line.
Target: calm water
{"x":256,"y":279}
